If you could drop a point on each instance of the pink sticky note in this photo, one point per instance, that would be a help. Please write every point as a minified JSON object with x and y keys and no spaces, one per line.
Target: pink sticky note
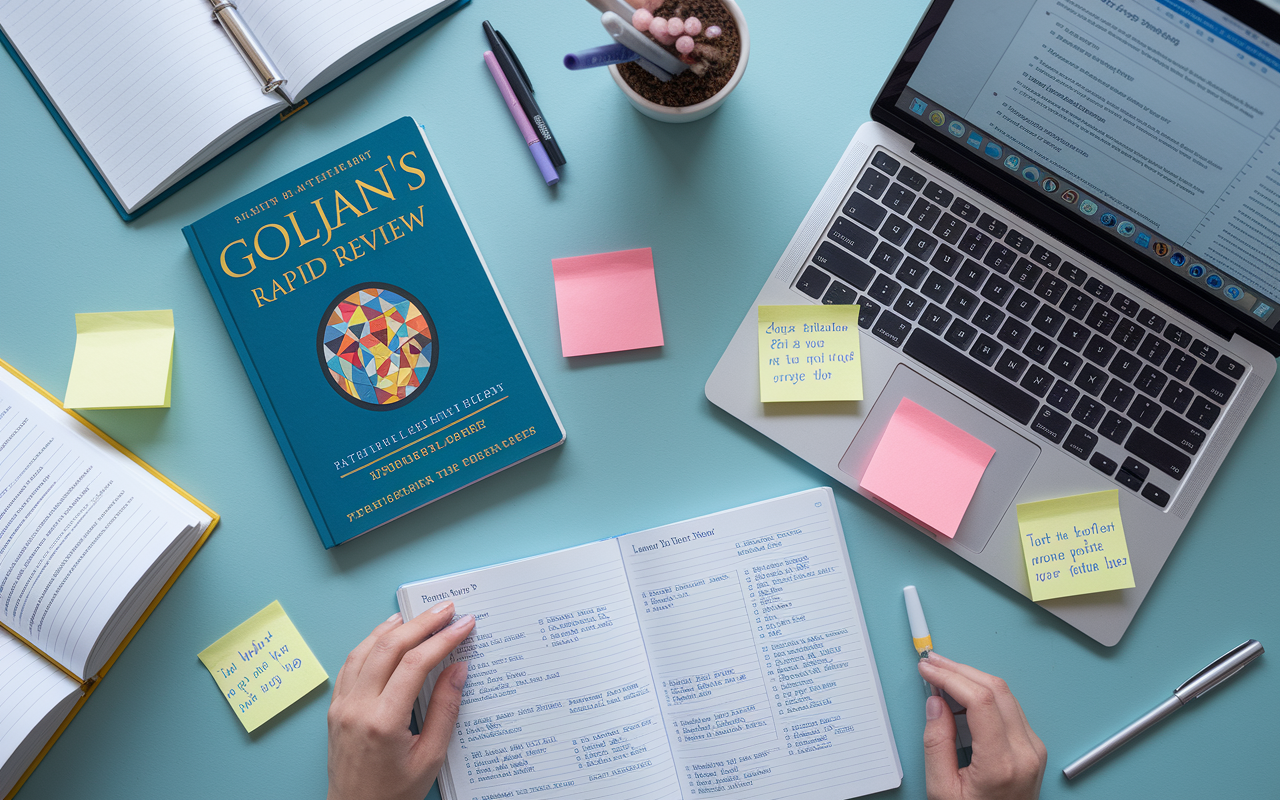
{"x":926,"y":468}
{"x":607,"y":302}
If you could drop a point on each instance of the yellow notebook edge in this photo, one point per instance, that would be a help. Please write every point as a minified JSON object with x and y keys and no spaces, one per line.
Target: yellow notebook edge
{"x":92,"y":683}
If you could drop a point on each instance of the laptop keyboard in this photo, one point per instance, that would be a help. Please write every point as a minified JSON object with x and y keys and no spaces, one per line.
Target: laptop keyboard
{"x":1057,"y":349}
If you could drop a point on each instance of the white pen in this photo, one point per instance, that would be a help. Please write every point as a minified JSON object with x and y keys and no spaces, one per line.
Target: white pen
{"x":924,"y":646}
{"x":625,"y":35}
{"x":919,"y":629}
{"x":1197,"y":686}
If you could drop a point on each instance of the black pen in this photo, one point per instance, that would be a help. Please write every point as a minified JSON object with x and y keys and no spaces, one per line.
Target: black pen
{"x":523,"y":89}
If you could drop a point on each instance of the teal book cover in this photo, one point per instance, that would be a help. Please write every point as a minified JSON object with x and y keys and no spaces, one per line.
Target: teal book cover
{"x":372,"y":332}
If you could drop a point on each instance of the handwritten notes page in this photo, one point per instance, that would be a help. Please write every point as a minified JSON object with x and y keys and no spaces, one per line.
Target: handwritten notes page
{"x":122,"y":360}
{"x":724,"y":656}
{"x":263,"y":666}
{"x":809,"y":353}
{"x":559,"y":701}
{"x":1075,"y":545}
{"x":81,"y":527}
{"x":756,"y":639}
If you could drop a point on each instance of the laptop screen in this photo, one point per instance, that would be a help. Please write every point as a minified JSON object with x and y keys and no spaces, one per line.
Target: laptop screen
{"x":1156,"y":122}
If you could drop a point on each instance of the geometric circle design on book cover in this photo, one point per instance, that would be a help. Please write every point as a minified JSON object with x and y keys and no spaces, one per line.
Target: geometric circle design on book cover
{"x":377,"y":346}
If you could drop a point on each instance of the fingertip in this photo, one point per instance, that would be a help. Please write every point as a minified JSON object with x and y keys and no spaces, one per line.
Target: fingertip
{"x":458,"y":674}
{"x":432,"y":621}
{"x":933,"y":707}
{"x":941,"y":765}
{"x":465,"y":622}
{"x":392,"y":618}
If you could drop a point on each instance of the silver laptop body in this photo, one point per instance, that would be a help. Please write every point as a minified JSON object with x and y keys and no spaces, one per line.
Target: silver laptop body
{"x":1033,"y":460}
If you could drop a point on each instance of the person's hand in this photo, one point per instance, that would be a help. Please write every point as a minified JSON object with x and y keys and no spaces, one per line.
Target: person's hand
{"x":1008,"y":758}
{"x":372,"y":754}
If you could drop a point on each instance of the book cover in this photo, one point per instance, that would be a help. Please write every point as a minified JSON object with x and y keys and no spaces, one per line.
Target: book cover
{"x":371,"y":330}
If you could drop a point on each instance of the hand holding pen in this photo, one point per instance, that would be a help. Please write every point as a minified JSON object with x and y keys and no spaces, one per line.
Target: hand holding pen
{"x":1008,"y":759}
{"x":978,"y":744}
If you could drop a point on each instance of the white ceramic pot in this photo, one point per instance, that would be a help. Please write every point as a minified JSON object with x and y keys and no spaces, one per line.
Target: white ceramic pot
{"x":697,"y":110}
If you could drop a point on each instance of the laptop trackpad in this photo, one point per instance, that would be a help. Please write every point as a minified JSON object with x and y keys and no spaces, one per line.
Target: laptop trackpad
{"x":1004,"y":476}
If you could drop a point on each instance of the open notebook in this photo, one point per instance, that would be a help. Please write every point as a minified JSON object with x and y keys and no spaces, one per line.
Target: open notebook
{"x":724,"y":656}
{"x":153,"y":89}
{"x":90,"y":539}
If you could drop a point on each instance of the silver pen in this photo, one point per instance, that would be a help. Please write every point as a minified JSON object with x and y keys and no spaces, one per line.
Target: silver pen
{"x":1197,"y":686}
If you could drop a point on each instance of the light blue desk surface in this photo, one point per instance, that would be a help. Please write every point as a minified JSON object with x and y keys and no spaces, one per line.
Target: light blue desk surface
{"x":717,"y":200}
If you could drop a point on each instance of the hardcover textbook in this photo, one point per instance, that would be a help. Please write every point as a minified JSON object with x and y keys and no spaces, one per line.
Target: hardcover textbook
{"x":371,"y":331}
{"x":90,"y":540}
{"x":723,"y":656}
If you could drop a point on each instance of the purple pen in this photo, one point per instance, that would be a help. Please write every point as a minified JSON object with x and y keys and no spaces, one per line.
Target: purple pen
{"x":536,"y":147}
{"x":600,"y":57}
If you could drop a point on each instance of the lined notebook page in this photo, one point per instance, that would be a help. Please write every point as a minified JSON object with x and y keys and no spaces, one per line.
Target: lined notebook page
{"x":304,"y":37}
{"x":31,"y":689}
{"x":78,"y":527}
{"x":559,"y":701}
{"x":751,"y":623}
{"x":145,"y":85}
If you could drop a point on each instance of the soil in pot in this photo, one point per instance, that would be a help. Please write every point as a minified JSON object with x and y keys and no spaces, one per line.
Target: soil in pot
{"x":720,"y":54}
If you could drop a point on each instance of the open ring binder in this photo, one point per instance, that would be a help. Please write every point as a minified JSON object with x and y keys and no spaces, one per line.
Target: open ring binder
{"x":185,"y":107}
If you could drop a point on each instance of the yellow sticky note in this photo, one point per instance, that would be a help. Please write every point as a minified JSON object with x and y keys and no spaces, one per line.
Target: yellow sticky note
{"x":123,"y":360}
{"x":263,"y":666}
{"x":809,"y":353}
{"x":1074,"y":545}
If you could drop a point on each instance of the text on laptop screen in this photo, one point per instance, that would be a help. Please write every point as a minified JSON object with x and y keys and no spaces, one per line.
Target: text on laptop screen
{"x":1157,"y":119}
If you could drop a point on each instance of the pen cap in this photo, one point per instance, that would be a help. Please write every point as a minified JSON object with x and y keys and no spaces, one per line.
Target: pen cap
{"x":1217,"y":672}
{"x":915,"y":616}
{"x":545,"y":166}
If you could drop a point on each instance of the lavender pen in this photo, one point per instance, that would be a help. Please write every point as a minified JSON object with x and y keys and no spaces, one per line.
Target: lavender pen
{"x":536,"y":147}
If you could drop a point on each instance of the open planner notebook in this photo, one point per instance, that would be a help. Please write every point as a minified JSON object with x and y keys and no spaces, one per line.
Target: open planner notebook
{"x":90,"y":539}
{"x":722,"y":656}
{"x":153,"y":89}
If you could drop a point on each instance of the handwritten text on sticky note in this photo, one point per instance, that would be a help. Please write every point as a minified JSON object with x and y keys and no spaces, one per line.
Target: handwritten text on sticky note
{"x":263,"y":666}
{"x":1074,"y":545}
{"x":809,"y":353}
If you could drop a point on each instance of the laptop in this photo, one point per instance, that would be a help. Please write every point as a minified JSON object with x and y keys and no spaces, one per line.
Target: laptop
{"x":1062,"y":228}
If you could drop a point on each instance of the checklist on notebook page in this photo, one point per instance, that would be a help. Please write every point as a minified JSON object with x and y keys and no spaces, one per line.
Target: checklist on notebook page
{"x":725,"y":655}
{"x":558,"y":690}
